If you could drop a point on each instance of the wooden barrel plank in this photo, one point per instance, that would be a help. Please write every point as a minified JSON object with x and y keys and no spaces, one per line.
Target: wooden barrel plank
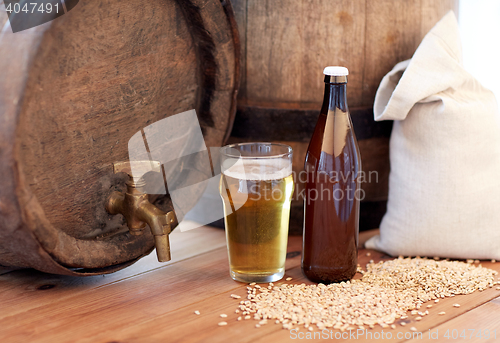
{"x":78,"y":88}
{"x":288,"y":42}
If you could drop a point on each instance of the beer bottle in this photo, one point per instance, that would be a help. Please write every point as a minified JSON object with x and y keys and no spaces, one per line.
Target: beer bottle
{"x":331,"y":204}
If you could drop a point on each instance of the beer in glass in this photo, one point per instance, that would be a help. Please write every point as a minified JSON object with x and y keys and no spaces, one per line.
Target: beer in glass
{"x":256,"y":188}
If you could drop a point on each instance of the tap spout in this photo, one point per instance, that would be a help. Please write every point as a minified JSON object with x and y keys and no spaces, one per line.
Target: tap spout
{"x":160,"y":224}
{"x":138,"y":212}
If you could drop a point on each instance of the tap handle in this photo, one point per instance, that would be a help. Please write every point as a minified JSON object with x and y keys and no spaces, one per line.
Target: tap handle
{"x":136,"y":169}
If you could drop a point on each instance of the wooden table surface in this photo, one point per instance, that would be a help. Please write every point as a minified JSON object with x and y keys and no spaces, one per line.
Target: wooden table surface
{"x":153,"y":302}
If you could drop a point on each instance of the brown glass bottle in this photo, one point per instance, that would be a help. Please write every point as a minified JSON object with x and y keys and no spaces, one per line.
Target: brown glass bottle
{"x":332,"y":194}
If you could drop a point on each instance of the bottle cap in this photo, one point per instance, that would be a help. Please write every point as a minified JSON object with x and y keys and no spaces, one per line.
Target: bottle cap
{"x":336,"y":71}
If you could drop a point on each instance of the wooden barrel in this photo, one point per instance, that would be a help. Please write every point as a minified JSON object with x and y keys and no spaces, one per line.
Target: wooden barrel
{"x":73,"y":92}
{"x":285,"y":46}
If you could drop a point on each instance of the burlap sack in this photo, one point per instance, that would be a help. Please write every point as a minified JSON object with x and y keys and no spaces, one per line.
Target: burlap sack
{"x":444,"y":184}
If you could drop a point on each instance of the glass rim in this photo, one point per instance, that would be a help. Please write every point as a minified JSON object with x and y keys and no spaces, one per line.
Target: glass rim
{"x":277,"y":155}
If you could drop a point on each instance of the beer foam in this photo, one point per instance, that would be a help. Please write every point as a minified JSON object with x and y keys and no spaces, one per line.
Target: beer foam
{"x":257,"y":169}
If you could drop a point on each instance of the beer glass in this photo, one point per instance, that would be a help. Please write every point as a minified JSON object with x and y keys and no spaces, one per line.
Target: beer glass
{"x":256,"y":187}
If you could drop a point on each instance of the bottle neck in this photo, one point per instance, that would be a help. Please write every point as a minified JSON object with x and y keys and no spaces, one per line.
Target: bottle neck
{"x":335,"y":97}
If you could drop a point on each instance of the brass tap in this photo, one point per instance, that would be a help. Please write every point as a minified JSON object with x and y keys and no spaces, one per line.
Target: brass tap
{"x":138,"y":211}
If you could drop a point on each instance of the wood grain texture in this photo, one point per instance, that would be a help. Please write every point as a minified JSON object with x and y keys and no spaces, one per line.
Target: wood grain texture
{"x":289,"y":42}
{"x":334,"y":33}
{"x":73,"y":94}
{"x":17,"y":297}
{"x":392,"y":35}
{"x":240,"y":11}
{"x":5,"y":270}
{"x":157,"y":304}
{"x":432,"y":11}
{"x":274,"y":49}
{"x":471,"y":324}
